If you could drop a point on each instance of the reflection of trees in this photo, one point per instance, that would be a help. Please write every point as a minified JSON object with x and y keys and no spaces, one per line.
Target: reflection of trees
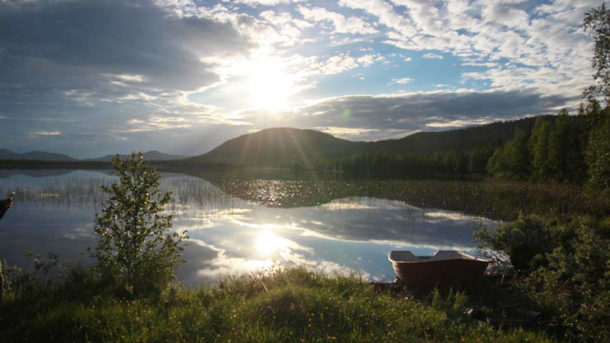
{"x":493,"y":199}
{"x":279,"y":188}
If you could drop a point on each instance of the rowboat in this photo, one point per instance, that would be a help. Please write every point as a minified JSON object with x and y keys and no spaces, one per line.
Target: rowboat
{"x":446,"y":268}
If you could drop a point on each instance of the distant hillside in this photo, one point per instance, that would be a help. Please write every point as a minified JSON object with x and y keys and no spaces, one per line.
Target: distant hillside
{"x":34,"y":156}
{"x":149,"y":155}
{"x":460,"y":140}
{"x":280,"y":147}
{"x":288,"y":146}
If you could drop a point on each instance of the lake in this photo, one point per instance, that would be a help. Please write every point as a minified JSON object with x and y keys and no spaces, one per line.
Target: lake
{"x":231,"y":235}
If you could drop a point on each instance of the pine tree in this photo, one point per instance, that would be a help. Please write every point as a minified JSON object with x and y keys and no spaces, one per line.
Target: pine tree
{"x":538,"y":145}
{"x":598,"y":154}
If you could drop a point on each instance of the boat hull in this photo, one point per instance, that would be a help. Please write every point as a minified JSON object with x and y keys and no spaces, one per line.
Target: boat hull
{"x":457,"y":273}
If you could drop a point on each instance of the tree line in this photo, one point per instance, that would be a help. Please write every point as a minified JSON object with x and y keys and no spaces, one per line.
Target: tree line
{"x":571,"y":149}
{"x":565,"y":148}
{"x":437,"y":164}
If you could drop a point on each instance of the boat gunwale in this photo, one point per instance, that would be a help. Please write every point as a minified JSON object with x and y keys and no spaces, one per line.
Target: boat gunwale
{"x":430,"y":259}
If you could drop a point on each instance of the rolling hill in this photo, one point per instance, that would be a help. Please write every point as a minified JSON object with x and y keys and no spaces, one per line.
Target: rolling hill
{"x":279,"y":147}
{"x":460,"y":140}
{"x":289,"y":146}
{"x":34,"y":156}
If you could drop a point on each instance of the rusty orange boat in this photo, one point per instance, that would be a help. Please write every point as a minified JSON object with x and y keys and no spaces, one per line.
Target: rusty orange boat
{"x":446,"y":268}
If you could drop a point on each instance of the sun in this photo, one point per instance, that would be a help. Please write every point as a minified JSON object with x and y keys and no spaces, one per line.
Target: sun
{"x":269,"y":86}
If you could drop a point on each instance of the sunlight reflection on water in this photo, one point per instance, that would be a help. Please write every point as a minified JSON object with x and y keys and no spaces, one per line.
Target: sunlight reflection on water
{"x":230,"y":236}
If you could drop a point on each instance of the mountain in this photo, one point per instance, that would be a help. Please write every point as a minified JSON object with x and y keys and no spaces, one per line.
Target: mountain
{"x":149,"y":155}
{"x":460,"y":140}
{"x":288,"y":146}
{"x":34,"y":155}
{"x":280,"y":147}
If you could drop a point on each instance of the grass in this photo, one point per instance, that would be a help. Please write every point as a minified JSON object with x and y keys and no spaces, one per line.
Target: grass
{"x":283,"y":306}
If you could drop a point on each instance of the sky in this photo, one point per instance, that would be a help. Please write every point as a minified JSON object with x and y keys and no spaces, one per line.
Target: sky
{"x":89,"y":78}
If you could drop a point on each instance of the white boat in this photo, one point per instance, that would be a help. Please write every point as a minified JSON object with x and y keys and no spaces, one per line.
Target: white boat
{"x":446,"y":268}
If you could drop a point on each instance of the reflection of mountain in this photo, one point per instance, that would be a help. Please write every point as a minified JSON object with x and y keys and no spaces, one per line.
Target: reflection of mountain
{"x":6,"y":173}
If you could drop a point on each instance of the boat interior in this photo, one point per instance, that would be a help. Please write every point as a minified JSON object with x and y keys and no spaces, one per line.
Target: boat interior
{"x":441,"y":255}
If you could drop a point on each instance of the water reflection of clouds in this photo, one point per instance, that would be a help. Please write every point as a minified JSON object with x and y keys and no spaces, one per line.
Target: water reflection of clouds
{"x":251,"y":247}
{"x":229,"y":236}
{"x":346,"y":240}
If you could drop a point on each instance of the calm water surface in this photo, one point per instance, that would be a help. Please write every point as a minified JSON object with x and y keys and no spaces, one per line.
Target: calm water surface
{"x":54,"y":212}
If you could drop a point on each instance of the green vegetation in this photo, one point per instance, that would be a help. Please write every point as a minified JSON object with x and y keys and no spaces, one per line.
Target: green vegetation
{"x":572,"y":149}
{"x":282,"y":306}
{"x":136,"y":251}
{"x":564,"y":268}
{"x":446,"y":153}
{"x":561,"y":259}
{"x":450,"y":164}
{"x":128,"y":294}
{"x":596,"y":22}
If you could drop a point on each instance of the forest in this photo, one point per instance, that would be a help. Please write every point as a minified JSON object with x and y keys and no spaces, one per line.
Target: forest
{"x":566,"y":149}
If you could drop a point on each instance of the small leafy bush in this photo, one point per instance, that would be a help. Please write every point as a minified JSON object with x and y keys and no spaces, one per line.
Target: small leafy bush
{"x":136,"y":250}
{"x":564,"y":268}
{"x":524,"y":241}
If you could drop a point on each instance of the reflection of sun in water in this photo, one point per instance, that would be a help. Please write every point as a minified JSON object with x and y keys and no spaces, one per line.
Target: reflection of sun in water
{"x":267,"y":243}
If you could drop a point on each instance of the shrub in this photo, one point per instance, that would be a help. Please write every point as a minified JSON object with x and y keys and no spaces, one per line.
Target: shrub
{"x":575,"y":285}
{"x":136,"y":251}
{"x":564,"y":268}
{"x":524,"y":241}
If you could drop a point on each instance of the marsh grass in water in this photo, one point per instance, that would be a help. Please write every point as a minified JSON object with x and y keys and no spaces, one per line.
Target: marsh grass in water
{"x":85,"y":190}
{"x":494,"y":199}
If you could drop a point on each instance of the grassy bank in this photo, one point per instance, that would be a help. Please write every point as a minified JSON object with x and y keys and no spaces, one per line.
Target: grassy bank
{"x":283,"y":306}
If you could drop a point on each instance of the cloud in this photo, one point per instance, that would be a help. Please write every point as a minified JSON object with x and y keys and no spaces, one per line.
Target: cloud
{"x":432,"y":56}
{"x":156,"y":123}
{"x":402,"y":81}
{"x":265,"y":2}
{"x":95,"y":38}
{"x":385,"y":12}
{"x":543,"y":35}
{"x":183,"y":76}
{"x":345,"y":131}
{"x":92,"y":67}
{"x":341,"y":24}
{"x":459,"y":123}
{"x":378,"y":117}
{"x":45,"y":133}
